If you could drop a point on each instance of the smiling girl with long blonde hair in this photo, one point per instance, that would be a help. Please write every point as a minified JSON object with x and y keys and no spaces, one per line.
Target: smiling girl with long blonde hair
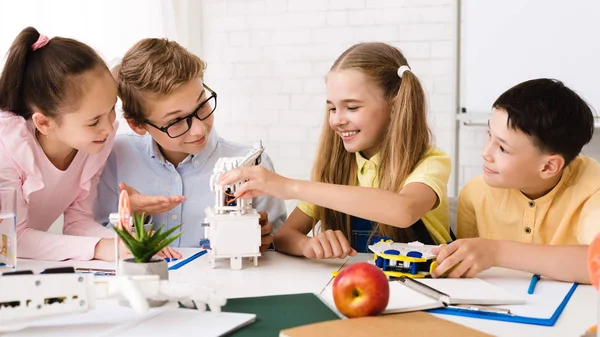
{"x":376,"y":171}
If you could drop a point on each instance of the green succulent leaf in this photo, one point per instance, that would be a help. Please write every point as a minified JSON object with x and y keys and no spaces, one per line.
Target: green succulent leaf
{"x":165,"y":243}
{"x":138,"y":223}
{"x":159,"y":236}
{"x":144,"y":244}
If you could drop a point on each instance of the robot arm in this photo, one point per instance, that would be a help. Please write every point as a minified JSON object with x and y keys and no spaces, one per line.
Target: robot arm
{"x":224,"y":200}
{"x":253,"y":158}
{"x":193,"y":293}
{"x":27,"y":297}
{"x":225,"y":164}
{"x":213,"y":180}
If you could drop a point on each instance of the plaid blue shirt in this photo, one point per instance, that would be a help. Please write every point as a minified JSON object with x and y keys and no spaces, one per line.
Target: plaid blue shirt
{"x":137,"y":161}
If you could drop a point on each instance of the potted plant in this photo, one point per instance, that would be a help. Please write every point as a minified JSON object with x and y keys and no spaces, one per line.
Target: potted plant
{"x":144,"y":244}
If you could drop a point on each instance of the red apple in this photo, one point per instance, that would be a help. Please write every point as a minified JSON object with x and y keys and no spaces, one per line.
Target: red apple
{"x":361,"y":290}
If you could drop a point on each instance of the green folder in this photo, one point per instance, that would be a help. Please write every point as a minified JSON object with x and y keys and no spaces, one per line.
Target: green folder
{"x":276,"y":313}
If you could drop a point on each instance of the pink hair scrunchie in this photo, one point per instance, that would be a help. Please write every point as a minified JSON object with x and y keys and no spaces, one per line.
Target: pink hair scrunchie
{"x":41,"y":41}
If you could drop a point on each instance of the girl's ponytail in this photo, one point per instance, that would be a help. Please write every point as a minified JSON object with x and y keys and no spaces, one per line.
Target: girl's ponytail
{"x":13,"y":74}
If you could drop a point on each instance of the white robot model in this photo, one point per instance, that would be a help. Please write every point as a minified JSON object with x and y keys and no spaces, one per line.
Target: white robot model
{"x":233,"y":225}
{"x":27,"y":298}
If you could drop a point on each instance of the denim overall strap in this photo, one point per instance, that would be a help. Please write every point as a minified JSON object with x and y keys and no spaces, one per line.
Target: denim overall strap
{"x":362,"y":230}
{"x":422,"y":233}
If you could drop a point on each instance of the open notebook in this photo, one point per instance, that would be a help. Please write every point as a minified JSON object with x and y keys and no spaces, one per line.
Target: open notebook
{"x":460,"y":291}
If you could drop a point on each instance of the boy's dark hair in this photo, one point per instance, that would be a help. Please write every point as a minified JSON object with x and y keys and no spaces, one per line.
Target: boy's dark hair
{"x":554,"y":116}
{"x":46,"y":78}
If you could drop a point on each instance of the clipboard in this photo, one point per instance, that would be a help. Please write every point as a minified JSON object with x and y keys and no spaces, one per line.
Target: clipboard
{"x":515,"y":317}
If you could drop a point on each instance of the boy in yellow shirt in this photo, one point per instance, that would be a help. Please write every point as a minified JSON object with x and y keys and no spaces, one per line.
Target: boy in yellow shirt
{"x":536,"y":208}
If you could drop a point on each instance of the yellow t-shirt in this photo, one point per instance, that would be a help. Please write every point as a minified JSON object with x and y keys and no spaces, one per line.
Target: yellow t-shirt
{"x":569,"y":214}
{"x":433,"y":170}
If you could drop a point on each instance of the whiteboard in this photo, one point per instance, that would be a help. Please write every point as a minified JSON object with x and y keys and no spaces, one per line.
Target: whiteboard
{"x":505,"y":42}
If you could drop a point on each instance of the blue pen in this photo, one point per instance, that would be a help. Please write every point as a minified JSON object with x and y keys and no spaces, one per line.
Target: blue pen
{"x":170,"y":259}
{"x":534,"y":280}
{"x":188,"y":260}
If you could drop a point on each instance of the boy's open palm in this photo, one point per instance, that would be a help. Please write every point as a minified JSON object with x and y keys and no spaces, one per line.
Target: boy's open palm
{"x":472,"y":256}
{"x":257,"y":181}
{"x":141,"y":203}
{"x":328,"y":245}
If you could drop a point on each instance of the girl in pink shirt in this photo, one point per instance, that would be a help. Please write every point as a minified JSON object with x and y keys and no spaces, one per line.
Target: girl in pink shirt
{"x":57,"y":127}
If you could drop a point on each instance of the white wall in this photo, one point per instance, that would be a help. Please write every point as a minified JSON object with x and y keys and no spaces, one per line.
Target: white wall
{"x":267,"y":60}
{"x":565,"y":52}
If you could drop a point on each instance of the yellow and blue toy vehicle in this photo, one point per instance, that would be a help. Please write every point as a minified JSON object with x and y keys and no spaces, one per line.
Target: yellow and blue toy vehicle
{"x":413,"y":259}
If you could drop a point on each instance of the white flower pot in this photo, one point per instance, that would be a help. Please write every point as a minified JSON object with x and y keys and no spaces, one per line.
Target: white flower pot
{"x":128,"y":267}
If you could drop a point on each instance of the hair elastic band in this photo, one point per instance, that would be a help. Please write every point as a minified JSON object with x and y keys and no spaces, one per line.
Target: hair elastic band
{"x":41,"y":41}
{"x":402,"y":69}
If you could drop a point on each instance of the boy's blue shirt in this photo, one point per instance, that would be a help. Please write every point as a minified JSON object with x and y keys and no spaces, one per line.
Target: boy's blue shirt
{"x":137,"y":161}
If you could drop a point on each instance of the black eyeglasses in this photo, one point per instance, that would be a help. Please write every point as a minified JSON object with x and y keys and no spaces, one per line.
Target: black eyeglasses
{"x":181,"y":125}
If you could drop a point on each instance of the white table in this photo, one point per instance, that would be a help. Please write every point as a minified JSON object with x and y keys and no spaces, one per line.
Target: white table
{"x":281,"y":274}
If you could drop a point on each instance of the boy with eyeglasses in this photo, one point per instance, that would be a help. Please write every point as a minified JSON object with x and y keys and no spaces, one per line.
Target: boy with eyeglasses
{"x":174,"y":149}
